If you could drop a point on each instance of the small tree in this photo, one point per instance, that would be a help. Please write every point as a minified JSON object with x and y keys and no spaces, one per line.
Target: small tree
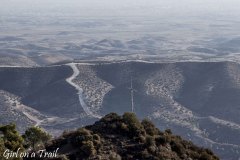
{"x":114,"y":156}
{"x":35,"y":136}
{"x":135,"y":127}
{"x":88,"y":148}
{"x":2,"y":146}
{"x":168,"y":131}
{"x":150,"y":141}
{"x":10,"y":137}
{"x":149,"y":127}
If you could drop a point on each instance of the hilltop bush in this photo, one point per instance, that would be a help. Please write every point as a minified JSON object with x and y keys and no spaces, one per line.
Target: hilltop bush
{"x":150,"y":141}
{"x":149,"y":127}
{"x":113,"y":137}
{"x":160,"y":140}
{"x":114,"y":156}
{"x":177,"y":147}
{"x":135,"y":127}
{"x":36,"y":137}
{"x":88,"y":148}
{"x":2,"y":146}
{"x":11,"y":138}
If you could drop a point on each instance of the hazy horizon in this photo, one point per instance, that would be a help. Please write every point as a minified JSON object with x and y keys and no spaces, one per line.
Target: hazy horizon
{"x":120,"y":8}
{"x":160,"y":29}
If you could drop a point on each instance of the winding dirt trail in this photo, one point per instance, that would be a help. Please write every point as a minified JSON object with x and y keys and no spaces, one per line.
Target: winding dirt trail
{"x":80,"y":90}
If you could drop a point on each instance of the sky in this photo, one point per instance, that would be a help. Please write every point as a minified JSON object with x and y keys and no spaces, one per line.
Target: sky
{"x":119,"y":7}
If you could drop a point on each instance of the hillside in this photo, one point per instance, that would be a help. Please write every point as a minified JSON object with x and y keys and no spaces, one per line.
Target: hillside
{"x":197,"y":100}
{"x":125,"y":137}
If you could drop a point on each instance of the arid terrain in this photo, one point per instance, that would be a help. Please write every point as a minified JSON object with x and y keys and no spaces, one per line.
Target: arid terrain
{"x":197,"y":100}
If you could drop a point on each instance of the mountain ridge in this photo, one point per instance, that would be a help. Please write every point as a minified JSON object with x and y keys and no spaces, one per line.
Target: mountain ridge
{"x":198,"y":100}
{"x":125,"y":137}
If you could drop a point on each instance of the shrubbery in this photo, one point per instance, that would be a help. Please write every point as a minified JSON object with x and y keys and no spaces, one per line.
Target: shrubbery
{"x":2,"y":146}
{"x":149,"y":127}
{"x":35,"y":138}
{"x":114,"y":137}
{"x":160,"y":140}
{"x":114,"y":156}
{"x":11,"y":138}
{"x":150,"y":141}
{"x":135,"y":127}
{"x":88,"y":148}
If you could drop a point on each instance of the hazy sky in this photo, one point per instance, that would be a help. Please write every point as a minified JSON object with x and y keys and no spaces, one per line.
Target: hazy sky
{"x":119,"y":7}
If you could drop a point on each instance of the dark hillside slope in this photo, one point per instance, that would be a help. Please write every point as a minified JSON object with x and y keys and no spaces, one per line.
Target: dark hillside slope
{"x":197,"y":100}
{"x":41,"y":88}
{"x":212,"y":89}
{"x":40,"y":96}
{"x":205,"y":88}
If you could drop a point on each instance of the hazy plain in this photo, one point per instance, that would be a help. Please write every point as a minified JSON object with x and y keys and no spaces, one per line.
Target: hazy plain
{"x":34,"y":33}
